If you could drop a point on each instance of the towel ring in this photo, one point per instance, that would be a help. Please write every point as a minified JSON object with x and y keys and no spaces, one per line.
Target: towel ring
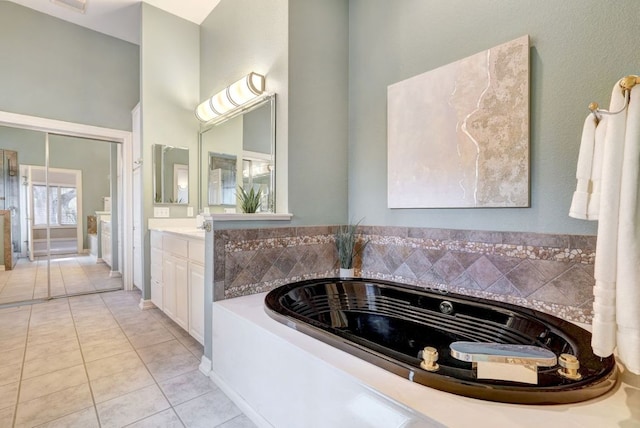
{"x":626,"y":84}
{"x":595,"y":110}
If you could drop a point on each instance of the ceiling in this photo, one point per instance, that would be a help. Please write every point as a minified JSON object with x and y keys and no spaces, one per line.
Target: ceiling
{"x":121,"y":18}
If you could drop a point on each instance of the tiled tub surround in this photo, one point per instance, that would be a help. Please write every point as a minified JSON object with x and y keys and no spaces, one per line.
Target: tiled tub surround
{"x":551,"y":273}
{"x":250,"y":261}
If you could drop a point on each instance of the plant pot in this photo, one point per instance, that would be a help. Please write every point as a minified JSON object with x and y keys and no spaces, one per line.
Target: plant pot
{"x":346,"y":273}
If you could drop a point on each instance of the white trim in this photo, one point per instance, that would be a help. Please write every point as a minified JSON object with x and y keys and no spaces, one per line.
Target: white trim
{"x":124,"y":138}
{"x":237,"y":399}
{"x":205,"y":366}
{"x":146,"y":304}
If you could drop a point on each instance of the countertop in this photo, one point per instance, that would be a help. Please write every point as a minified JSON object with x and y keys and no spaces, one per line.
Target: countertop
{"x":188,"y":232}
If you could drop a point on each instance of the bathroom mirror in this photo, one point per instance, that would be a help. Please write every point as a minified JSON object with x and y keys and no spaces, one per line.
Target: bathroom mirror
{"x":170,"y":174}
{"x":239,"y":151}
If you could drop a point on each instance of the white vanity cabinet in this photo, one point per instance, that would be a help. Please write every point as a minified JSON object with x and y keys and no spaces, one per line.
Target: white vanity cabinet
{"x":195,"y":270}
{"x":175,"y":289}
{"x":177,"y":279}
{"x":105,"y":241}
{"x":156,"y":269}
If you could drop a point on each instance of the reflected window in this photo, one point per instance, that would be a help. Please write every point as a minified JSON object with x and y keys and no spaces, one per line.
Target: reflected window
{"x":63,"y":205}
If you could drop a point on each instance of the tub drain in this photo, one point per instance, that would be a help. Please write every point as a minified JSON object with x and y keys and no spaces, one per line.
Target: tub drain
{"x":446,"y":307}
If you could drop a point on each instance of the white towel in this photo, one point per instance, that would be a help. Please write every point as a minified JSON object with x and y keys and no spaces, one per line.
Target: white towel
{"x":612,"y":198}
{"x":593,"y":211}
{"x":585,"y":204}
{"x":628,"y":274}
{"x":580,"y":201}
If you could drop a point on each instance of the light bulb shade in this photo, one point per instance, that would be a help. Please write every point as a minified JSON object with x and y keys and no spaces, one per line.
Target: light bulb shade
{"x":204,"y":112}
{"x":246,"y":89}
{"x":220,"y":103}
{"x":232,"y":97}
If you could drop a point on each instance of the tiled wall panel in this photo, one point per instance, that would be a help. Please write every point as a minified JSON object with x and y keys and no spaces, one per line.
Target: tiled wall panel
{"x":552,"y":273}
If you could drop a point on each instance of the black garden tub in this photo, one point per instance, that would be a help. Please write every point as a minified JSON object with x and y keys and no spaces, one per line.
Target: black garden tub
{"x":390,"y":325}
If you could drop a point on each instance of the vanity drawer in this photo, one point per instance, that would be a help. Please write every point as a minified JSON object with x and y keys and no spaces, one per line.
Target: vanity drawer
{"x":176,"y":246}
{"x":196,"y":251}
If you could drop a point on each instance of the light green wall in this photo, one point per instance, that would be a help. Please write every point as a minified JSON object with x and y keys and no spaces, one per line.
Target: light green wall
{"x":30,"y":145}
{"x":254,"y":124}
{"x":318,"y":110}
{"x":54,"y":69}
{"x":580,"y":48}
{"x":169,"y":76}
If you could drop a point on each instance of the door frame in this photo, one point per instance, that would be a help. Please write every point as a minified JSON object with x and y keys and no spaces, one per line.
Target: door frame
{"x":124,"y":139}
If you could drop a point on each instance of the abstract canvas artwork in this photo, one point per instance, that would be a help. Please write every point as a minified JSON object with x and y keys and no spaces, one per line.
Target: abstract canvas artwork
{"x":458,"y":136}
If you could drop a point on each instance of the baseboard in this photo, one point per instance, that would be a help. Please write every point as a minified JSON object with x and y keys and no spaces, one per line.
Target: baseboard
{"x":249,"y":412}
{"x":146,"y":304}
{"x":115,"y":274}
{"x":205,"y":366}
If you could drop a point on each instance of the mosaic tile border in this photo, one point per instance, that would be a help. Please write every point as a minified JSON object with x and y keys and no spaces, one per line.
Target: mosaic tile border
{"x":566,"y":248}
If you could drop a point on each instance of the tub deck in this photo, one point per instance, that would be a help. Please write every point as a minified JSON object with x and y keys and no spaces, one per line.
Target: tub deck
{"x":281,"y":377}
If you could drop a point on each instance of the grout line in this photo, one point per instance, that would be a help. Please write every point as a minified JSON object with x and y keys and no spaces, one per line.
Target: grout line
{"x":84,"y":364}
{"x":37,"y":267}
{"x":145,"y":366}
{"x":24,"y":357}
{"x":165,"y":323}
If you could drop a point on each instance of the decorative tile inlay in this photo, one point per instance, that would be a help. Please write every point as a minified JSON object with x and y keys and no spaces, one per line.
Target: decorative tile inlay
{"x":492,"y":265}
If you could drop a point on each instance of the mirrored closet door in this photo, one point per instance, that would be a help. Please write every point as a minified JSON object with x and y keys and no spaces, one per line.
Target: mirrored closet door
{"x":60,"y":236}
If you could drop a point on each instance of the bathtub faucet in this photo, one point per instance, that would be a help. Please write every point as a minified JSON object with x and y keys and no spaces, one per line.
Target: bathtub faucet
{"x":518,"y":363}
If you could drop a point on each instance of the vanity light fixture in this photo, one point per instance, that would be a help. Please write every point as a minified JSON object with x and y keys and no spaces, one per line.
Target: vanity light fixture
{"x":232,"y":98}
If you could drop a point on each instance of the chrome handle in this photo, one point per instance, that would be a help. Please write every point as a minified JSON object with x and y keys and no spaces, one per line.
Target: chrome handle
{"x":503,"y":353}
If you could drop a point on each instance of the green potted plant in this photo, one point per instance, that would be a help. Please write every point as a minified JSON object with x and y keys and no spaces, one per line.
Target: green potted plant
{"x":249,"y":201}
{"x":348,"y":248}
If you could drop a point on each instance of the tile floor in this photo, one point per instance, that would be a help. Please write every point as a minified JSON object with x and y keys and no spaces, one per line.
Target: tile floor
{"x":69,"y":275}
{"x":99,"y":361}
